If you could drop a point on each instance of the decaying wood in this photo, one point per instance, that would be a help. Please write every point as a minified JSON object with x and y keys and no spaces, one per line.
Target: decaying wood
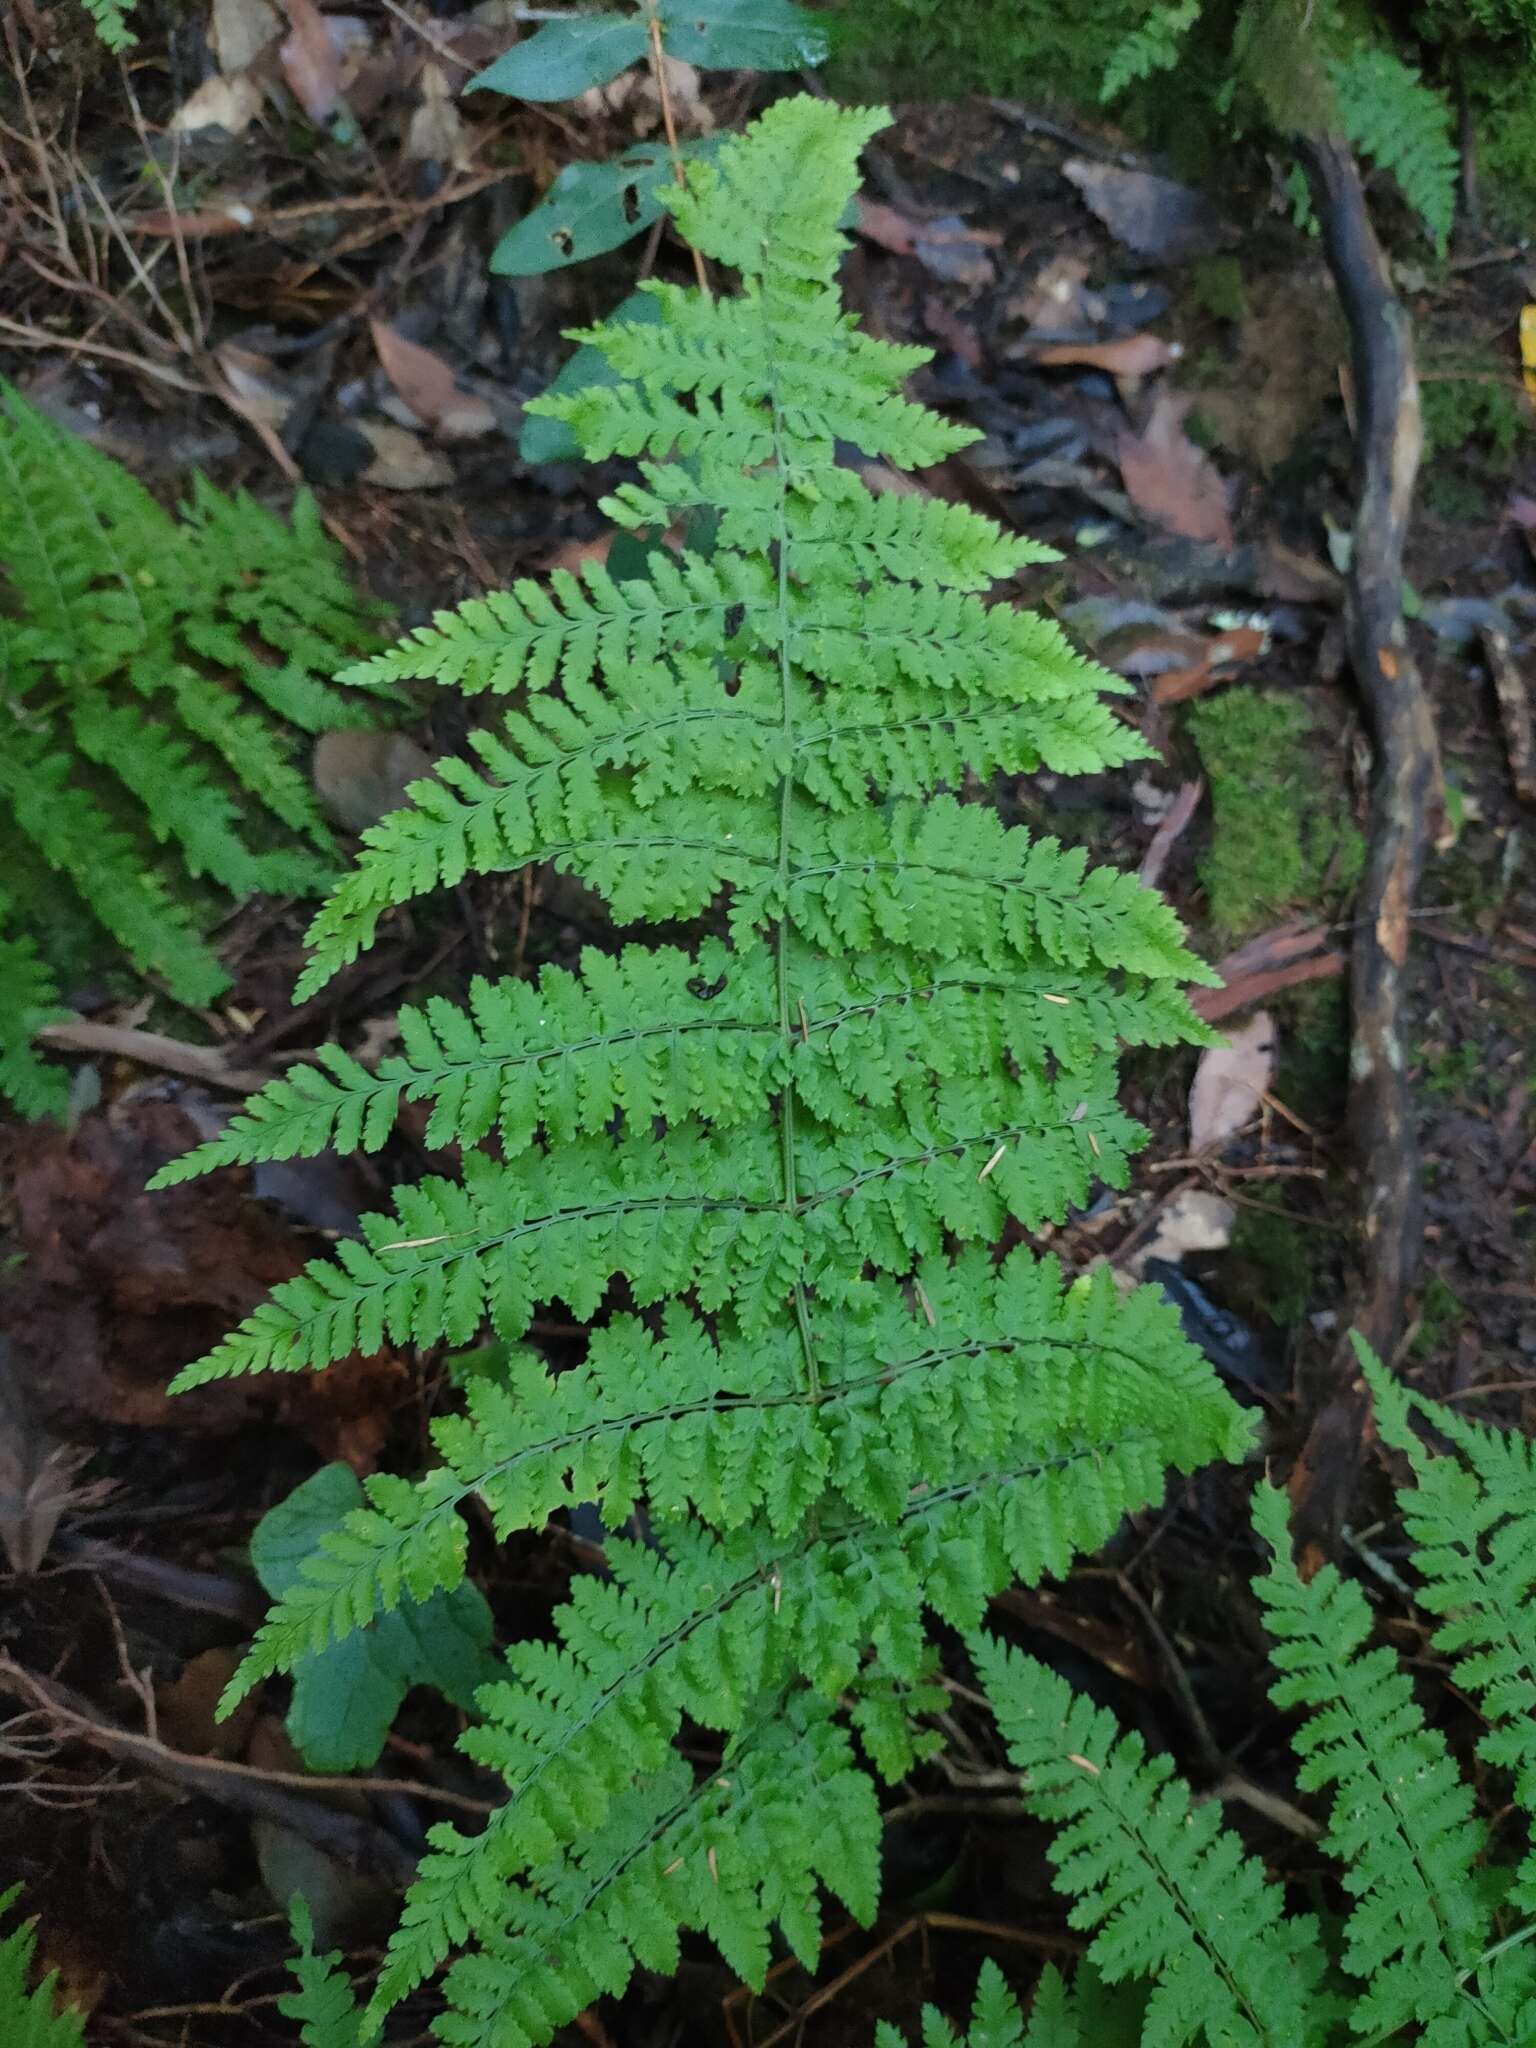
{"x":1405,"y":784}
{"x":1513,"y":698}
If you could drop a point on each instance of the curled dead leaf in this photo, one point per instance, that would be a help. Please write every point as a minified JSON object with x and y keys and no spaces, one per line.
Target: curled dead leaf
{"x":1230,"y":1081}
{"x":1171,"y":480}
{"x":219,"y":102}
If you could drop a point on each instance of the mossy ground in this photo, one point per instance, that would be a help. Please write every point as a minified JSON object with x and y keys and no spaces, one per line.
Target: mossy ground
{"x":1282,"y":837}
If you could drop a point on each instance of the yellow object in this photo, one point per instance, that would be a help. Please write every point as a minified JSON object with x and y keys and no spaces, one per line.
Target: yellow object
{"x":1528,"y":347}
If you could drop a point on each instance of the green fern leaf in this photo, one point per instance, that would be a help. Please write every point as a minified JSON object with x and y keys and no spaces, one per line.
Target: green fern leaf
{"x":1085,"y":2014}
{"x":1157,"y":45}
{"x":1402,"y":1821}
{"x":1403,"y":125}
{"x":1472,"y":1518}
{"x":154,"y":677}
{"x":1165,"y":1889}
{"x":28,"y":1000}
{"x":29,"y":2015}
{"x":110,"y":20}
{"x":323,"y":2005}
{"x":765,"y":1162}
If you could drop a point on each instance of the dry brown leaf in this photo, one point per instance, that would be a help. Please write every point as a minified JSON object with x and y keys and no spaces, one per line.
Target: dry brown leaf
{"x":1157,"y":217}
{"x":1171,"y":480}
{"x":253,"y":387}
{"x":437,"y":134}
{"x":1229,"y":1082}
{"x":402,"y":461}
{"x":885,"y":227}
{"x":37,"y":1474}
{"x":942,"y":321}
{"x":1134,"y":356}
{"x":1220,"y":656}
{"x":239,"y":30}
{"x":311,"y":56}
{"x":228,"y":103}
{"x":358,"y":776}
{"x":1175,"y":820}
{"x":422,"y":378}
{"x":1194,"y":1221}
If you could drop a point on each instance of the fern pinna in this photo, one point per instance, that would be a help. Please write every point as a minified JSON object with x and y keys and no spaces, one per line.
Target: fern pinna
{"x":1191,"y":1941}
{"x":155,"y":675}
{"x":765,"y":1167}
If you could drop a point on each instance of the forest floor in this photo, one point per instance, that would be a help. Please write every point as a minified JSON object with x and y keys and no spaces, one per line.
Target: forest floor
{"x":1159,"y":396}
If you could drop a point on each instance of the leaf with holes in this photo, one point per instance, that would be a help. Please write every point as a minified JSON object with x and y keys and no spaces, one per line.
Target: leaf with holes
{"x":565,"y":58}
{"x":743,"y":35}
{"x":589,"y":209}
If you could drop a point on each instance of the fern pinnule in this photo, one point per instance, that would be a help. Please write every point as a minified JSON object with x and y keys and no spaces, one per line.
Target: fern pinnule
{"x":766,"y":1163}
{"x":1402,"y":1820}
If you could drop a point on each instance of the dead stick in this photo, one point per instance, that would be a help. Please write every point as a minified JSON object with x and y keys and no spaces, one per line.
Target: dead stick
{"x":1388,"y":444}
{"x":358,"y":1843}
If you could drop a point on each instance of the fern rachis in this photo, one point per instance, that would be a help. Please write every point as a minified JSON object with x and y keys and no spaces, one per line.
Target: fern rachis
{"x":765,"y":1166}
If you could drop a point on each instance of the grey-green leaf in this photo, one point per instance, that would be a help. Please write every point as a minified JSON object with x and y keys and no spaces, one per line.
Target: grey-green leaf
{"x":547,"y":440}
{"x":346,"y":1696}
{"x":565,"y":58}
{"x":742,"y":35}
{"x":590,"y":208}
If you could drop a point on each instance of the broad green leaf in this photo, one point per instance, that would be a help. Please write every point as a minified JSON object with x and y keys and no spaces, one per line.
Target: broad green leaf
{"x":547,"y":440}
{"x":590,"y":208}
{"x":566,"y":58}
{"x":346,"y":1696}
{"x":742,"y":35}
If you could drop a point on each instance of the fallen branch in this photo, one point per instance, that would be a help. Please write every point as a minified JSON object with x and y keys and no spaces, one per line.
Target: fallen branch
{"x":361,"y":1845}
{"x":1388,"y":444}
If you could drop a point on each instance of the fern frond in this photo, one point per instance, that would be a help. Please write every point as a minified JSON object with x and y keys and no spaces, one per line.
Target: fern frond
{"x":1157,"y":45}
{"x":1389,"y":113}
{"x":780,"y":1136}
{"x":323,"y":2005}
{"x":703,"y":1632}
{"x":29,"y":998}
{"x":730,"y":1856}
{"x":1472,"y":1518}
{"x":29,"y":2015}
{"x":1085,"y":2014}
{"x":1402,"y":1820}
{"x":1162,"y":1884}
{"x":110,"y":20}
{"x":152,"y":675}
{"x":667,"y":1035}
{"x":77,"y":838}
{"x":706,"y":1421}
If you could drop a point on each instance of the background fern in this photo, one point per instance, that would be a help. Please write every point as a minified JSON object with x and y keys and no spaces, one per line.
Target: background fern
{"x":155,"y":676}
{"x":109,"y":18}
{"x":1432,"y":1947}
{"x":768,"y":1164}
{"x":30,"y":2016}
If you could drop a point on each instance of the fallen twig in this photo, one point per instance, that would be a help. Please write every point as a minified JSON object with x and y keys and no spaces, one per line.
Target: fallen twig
{"x":361,"y":1845}
{"x":1388,"y":444}
{"x":205,"y":1063}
